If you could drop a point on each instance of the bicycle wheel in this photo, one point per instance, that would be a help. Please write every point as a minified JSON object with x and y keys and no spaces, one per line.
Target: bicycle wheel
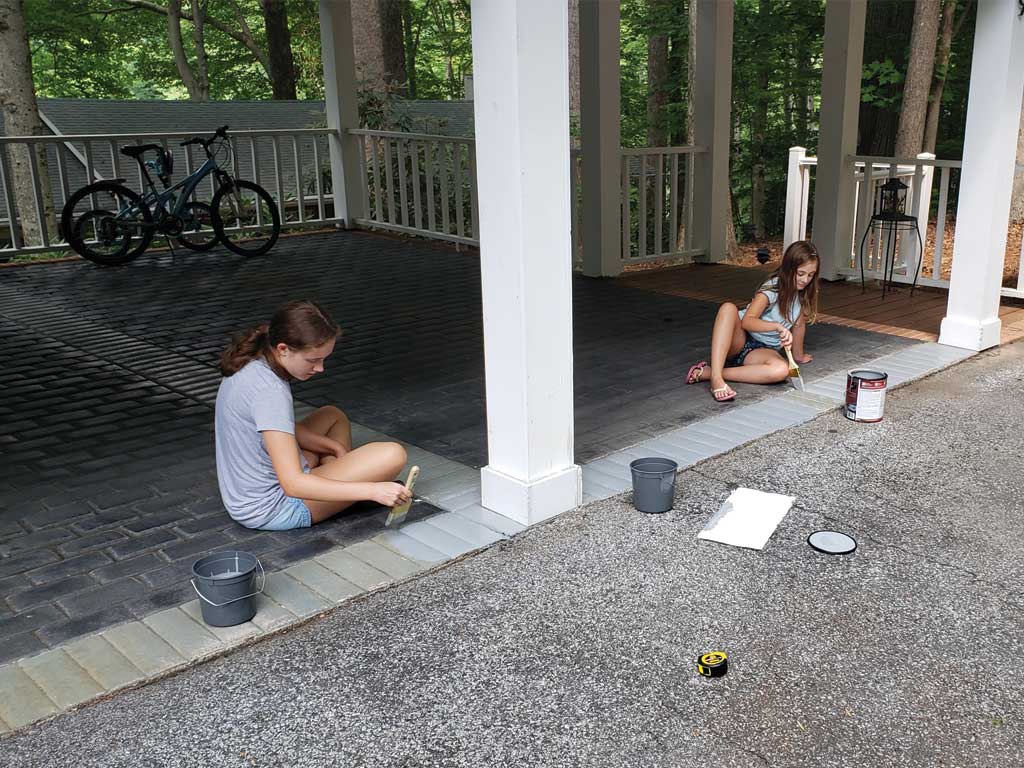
{"x":197,"y":232}
{"x":245,"y":218}
{"x":105,"y":236}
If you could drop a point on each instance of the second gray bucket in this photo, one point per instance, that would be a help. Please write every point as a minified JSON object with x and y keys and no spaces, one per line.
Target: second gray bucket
{"x":226,"y":585}
{"x":654,"y":484}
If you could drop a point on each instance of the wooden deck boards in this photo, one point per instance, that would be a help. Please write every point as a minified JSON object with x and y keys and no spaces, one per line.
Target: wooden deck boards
{"x":898,"y":314}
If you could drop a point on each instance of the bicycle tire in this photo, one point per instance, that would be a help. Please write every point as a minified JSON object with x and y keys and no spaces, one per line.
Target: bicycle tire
{"x":192,"y":240}
{"x":227,"y":230}
{"x":74,"y":233}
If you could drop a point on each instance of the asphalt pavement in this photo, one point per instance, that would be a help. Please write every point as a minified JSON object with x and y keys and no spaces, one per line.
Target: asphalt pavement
{"x":575,"y":643}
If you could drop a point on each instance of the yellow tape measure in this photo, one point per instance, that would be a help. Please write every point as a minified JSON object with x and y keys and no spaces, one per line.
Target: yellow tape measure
{"x":713,"y":664}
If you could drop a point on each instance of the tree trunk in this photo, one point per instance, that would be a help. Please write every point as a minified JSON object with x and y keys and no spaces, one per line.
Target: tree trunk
{"x":657,"y":81}
{"x":917,"y":84}
{"x":1017,"y":199}
{"x":949,"y":30}
{"x":21,"y":118}
{"x":412,"y":43}
{"x":887,"y":31}
{"x":178,"y":49}
{"x":691,"y":67}
{"x":574,"y":57}
{"x":199,"y":35}
{"x":393,"y":44}
{"x":759,"y":132}
{"x":279,"y":49}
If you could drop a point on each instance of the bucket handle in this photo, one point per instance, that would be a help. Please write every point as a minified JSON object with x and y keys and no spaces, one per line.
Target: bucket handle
{"x":263,"y":583}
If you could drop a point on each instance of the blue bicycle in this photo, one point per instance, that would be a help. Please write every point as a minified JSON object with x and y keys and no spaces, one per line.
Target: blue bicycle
{"x":242,"y":215}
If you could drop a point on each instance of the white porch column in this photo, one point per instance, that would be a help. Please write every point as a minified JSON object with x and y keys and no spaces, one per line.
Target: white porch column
{"x":834,"y":185}
{"x":986,"y":180}
{"x":712,"y":99}
{"x":521,"y":107}
{"x":600,"y":140}
{"x":342,"y":107}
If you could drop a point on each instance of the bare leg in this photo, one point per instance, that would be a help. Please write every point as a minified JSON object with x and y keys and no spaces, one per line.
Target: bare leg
{"x":370,"y":463}
{"x":727,"y":338}
{"x":331,"y":422}
{"x":761,"y":366}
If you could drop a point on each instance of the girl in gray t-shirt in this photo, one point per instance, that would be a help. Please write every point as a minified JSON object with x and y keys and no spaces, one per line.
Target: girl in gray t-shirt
{"x":746,"y":345}
{"x":275,"y":473}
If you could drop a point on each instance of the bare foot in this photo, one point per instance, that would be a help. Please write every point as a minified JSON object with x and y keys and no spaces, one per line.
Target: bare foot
{"x":804,"y":358}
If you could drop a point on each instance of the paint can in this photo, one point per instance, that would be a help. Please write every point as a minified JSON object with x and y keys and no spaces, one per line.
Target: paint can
{"x":865,"y":395}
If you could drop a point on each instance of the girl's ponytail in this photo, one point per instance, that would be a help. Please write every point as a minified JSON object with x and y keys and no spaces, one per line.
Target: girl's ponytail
{"x":244,"y":348}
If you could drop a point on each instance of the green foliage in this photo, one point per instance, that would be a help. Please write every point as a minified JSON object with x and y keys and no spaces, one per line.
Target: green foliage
{"x":881,"y":84}
{"x":103,"y":49}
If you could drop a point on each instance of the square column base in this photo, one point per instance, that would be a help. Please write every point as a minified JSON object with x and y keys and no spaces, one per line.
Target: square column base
{"x":529,"y":503}
{"x":967,"y":333}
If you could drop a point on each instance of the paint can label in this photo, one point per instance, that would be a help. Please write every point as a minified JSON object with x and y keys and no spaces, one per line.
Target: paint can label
{"x":865,"y":396}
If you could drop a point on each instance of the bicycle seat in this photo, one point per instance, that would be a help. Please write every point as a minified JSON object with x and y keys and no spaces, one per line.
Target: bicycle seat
{"x":136,"y":151}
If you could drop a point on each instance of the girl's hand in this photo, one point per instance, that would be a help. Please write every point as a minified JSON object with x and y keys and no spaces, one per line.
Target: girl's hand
{"x":391,"y":494}
{"x":339,"y":450}
{"x":785,"y":336}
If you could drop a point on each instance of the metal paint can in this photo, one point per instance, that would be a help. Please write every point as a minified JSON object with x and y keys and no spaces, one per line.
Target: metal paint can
{"x":865,"y":395}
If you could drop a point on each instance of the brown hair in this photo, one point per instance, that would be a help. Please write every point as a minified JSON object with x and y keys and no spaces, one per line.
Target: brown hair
{"x":299,"y":324}
{"x":799,"y":253}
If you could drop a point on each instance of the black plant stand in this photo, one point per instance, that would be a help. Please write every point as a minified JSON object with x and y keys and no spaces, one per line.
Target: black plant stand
{"x":893,"y":223}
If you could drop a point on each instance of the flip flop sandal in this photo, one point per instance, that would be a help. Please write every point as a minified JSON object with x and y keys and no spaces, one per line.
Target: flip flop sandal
{"x":693,"y":375}
{"x":719,"y":395}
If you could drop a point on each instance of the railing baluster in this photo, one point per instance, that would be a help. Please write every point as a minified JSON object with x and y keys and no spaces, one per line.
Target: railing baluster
{"x":378,"y":206}
{"x":115,"y":162}
{"x":414,"y":145}
{"x":62,"y":175}
{"x":403,"y":195}
{"x":673,"y":198}
{"x":689,"y":201}
{"x":864,"y":212}
{"x":642,"y":198}
{"x":389,"y":186}
{"x":12,"y":208}
{"x":37,"y":190}
{"x":428,"y":167}
{"x":659,"y":195}
{"x":940,"y":224}
{"x":574,"y":188}
{"x":474,"y":201}
{"x":255,"y":176}
{"x":318,"y":176}
{"x":442,"y":159}
{"x":300,"y":199}
{"x":277,"y":179}
{"x":90,"y":171}
{"x":460,"y":215}
{"x":626,"y":190}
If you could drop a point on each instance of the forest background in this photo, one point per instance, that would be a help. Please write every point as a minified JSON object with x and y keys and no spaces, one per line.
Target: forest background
{"x":916,"y":72}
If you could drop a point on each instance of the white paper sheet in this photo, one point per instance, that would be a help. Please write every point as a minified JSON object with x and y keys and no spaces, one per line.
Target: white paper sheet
{"x":747,"y":518}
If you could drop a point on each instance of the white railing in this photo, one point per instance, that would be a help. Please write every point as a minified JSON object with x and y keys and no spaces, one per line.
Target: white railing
{"x":935,"y":221}
{"x":657,"y":204}
{"x":292,"y":164}
{"x":419,"y":184}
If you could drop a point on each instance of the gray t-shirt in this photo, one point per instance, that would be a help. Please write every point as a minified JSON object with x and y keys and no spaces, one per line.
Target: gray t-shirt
{"x":251,"y":401}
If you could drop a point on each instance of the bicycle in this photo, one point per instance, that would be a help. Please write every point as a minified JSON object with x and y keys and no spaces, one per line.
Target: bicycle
{"x":242,"y":215}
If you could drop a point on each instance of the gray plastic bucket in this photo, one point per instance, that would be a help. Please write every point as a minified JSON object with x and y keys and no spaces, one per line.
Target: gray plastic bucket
{"x":225,"y":584}
{"x":654,"y":484}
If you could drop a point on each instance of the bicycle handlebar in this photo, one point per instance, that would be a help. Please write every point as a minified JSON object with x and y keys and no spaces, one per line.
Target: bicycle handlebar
{"x":220,"y":133}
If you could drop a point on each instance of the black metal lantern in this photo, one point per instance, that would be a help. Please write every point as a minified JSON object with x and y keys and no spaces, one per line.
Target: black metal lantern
{"x":893,"y":202}
{"x":763,"y":255}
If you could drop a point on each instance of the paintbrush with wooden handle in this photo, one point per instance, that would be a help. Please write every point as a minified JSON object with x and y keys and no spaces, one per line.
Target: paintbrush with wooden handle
{"x":794,"y":371}
{"x":397,"y":514}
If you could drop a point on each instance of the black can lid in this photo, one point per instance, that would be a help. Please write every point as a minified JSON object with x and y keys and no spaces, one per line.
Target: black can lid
{"x":869,"y":375}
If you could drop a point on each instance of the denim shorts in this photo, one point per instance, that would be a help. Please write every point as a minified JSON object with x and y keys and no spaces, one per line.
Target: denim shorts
{"x":748,"y":346}
{"x":293,"y":513}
